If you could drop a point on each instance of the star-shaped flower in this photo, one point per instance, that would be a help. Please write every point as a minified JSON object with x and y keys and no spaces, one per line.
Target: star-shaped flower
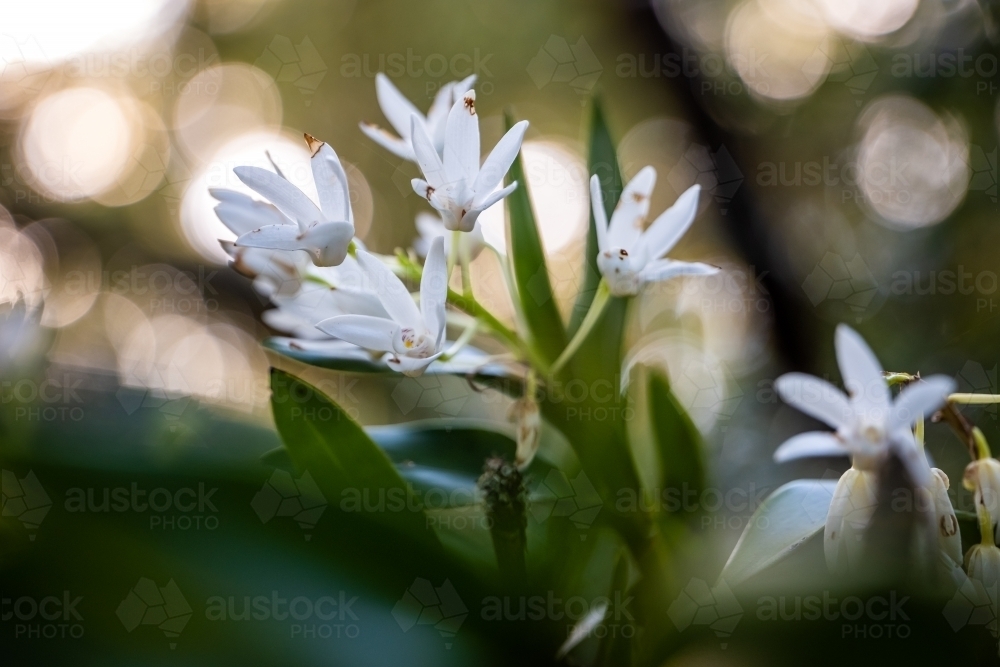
{"x":399,"y":111}
{"x":413,"y":337}
{"x":453,"y":182}
{"x":630,"y":255}
{"x":292,"y":221}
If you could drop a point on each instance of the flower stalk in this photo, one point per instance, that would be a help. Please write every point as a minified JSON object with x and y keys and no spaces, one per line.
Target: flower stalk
{"x":597,"y":306}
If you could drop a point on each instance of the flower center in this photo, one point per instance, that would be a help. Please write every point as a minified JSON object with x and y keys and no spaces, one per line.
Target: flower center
{"x":413,"y":343}
{"x":620,"y":270}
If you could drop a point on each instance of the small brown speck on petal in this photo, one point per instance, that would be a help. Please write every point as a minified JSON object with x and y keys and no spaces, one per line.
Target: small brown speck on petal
{"x":313,"y":143}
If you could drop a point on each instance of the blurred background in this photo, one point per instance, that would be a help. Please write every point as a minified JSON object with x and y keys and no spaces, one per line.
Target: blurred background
{"x":847,"y":153}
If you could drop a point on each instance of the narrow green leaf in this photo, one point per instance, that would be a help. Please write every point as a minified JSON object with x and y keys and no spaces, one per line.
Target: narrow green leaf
{"x":347,"y":465}
{"x":603,"y":161}
{"x":678,"y":442}
{"x":783,"y":522}
{"x":530,"y":271}
{"x":616,"y":648}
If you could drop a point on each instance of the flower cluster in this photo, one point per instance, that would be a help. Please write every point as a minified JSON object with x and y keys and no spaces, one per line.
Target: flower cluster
{"x":330,"y":292}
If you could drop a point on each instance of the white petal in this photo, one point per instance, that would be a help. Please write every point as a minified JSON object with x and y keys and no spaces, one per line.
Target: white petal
{"x":276,"y":237}
{"x":411,"y":366}
{"x":390,"y":291}
{"x":372,"y":333}
{"x":396,"y":108}
{"x":427,"y":157}
{"x":242,"y":213}
{"x":292,"y":201}
{"x":472,"y":215}
{"x":331,"y":181}
{"x":599,"y":212}
{"x":498,"y":162}
{"x":328,"y":241}
{"x":665,"y":269}
{"x":437,"y":115}
{"x":815,"y":397}
{"x":461,"y":141}
{"x":805,"y":445}
{"x":434,"y":291}
{"x":919,"y":398}
{"x":429,"y":226}
{"x":394,"y":144}
{"x":629,"y":217}
{"x":671,"y":225}
{"x":851,"y":509}
{"x":862,"y":374}
{"x":905,"y":447}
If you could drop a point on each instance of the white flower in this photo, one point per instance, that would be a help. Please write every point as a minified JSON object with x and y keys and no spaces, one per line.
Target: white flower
{"x":413,"y":337}
{"x":293,"y":221}
{"x":453,"y":182}
{"x":398,"y":111}
{"x":982,"y":562}
{"x":629,"y":257}
{"x":949,"y":538}
{"x":870,"y":424}
{"x":983,"y":477}
{"x":431,"y":227}
{"x":851,"y":509}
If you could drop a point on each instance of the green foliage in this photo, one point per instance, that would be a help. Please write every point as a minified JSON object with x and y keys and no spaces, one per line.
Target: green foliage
{"x":548,"y":335}
{"x":677,"y":440}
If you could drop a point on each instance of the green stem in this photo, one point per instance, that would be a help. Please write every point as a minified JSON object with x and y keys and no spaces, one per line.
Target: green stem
{"x":462,"y":341}
{"x":982,"y":447}
{"x":985,"y":524}
{"x":597,"y":306}
{"x":453,"y":251}
{"x":974,"y":399}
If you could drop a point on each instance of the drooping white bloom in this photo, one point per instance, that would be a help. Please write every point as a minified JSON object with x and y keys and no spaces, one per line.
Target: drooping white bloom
{"x":431,"y":226}
{"x":870,"y":426}
{"x":983,"y":477}
{"x":399,"y":111}
{"x":631,"y":255}
{"x":292,"y":221}
{"x":982,"y":562}
{"x":454,"y":183}
{"x":412,"y":337}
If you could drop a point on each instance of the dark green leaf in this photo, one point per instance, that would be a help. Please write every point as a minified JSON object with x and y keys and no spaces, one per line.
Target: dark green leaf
{"x":616,"y":649}
{"x":530,"y":271}
{"x":603,"y":161}
{"x":346,"y":464}
{"x":678,"y":442}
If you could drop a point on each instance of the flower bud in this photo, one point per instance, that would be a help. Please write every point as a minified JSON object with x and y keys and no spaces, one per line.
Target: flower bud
{"x":982,"y":562}
{"x":983,"y":477}
{"x":851,"y":509}
{"x":945,"y":522}
{"x":525,"y":414}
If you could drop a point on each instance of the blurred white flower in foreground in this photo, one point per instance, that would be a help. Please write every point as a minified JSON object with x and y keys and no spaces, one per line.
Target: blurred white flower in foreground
{"x":292,"y":221}
{"x":629,"y":257}
{"x":870,"y":426}
{"x":454,"y":183}
{"x":19,"y":332}
{"x":413,"y":337}
{"x":399,"y":111}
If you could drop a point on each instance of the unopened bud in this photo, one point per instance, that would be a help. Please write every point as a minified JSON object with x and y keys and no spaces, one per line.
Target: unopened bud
{"x":945,"y":522}
{"x":524,"y":412}
{"x":983,"y":477}
{"x":982,"y":562}
{"x":851,"y":509}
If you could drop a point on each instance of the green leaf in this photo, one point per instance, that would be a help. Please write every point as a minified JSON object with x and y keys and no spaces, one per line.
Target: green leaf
{"x":469,"y":363}
{"x":444,"y":457}
{"x":603,"y":161}
{"x":783,"y":522}
{"x":322,"y":439}
{"x":678,"y":442}
{"x":530,"y":271}
{"x":616,"y":649}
